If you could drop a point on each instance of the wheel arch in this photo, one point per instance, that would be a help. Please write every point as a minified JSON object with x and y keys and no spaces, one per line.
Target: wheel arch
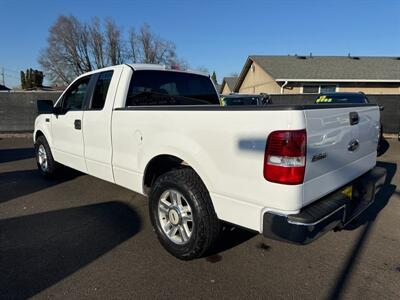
{"x":42,"y":128}
{"x":38,"y":133}
{"x":163,"y":163}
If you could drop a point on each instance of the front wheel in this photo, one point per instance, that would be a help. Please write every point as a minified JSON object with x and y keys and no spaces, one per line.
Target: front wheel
{"x":44,"y":158}
{"x":182,"y":214}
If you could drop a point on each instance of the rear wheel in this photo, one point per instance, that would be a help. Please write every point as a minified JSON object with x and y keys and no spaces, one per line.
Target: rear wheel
{"x":182,"y":214}
{"x":44,"y":158}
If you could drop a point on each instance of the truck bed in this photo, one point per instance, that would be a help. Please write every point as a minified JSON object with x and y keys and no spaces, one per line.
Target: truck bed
{"x":225,"y":145}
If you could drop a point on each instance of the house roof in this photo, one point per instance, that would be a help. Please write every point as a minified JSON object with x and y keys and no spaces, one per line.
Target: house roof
{"x":327,"y":68}
{"x":230,"y":82}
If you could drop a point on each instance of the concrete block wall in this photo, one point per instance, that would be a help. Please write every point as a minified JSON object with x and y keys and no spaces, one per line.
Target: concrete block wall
{"x":18,"y":109}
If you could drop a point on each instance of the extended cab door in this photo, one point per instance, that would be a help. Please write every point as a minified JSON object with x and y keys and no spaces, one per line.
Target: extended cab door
{"x":66,"y":126}
{"x":97,"y":124}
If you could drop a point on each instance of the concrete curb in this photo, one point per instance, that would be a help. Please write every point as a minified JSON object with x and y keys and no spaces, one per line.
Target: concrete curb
{"x":16,"y":135}
{"x":390,"y":136}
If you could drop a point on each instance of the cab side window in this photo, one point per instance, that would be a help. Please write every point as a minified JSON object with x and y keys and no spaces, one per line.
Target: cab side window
{"x":101,"y":90}
{"x":75,"y":96}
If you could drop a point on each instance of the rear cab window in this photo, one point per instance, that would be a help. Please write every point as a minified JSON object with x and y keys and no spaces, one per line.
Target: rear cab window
{"x":158,"y":88}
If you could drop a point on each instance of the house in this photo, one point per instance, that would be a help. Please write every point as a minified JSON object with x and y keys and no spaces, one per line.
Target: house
{"x":228,"y":85}
{"x":318,"y":74}
{"x":4,"y":88}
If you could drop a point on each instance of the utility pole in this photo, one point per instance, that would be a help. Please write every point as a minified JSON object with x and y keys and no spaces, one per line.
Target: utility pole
{"x":2,"y":75}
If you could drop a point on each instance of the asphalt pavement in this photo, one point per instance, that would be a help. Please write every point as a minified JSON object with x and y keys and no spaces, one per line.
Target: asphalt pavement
{"x":80,"y":237}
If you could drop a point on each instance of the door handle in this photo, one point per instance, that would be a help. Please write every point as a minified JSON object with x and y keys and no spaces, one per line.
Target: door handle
{"x":353,"y":145}
{"x":354,"y":118}
{"x":78,"y":124}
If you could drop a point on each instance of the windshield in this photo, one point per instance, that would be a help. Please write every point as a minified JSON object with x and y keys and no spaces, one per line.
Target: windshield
{"x":342,"y":98}
{"x":240,"y":101}
{"x":149,"y":87}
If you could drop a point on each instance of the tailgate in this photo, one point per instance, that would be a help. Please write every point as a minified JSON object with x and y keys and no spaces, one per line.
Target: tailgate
{"x":339,"y":147}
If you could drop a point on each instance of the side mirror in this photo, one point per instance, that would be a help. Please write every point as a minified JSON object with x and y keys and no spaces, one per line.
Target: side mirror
{"x":58,"y":110}
{"x":44,"y":106}
{"x":381,"y":107}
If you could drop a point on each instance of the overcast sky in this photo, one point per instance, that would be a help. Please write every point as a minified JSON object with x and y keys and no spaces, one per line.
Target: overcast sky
{"x":217,"y":35}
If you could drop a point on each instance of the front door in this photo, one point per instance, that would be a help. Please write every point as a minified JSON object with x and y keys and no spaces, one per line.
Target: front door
{"x":67,"y":143}
{"x":97,"y":125}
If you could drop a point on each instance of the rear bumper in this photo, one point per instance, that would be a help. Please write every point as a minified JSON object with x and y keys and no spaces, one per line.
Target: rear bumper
{"x":334,"y":210}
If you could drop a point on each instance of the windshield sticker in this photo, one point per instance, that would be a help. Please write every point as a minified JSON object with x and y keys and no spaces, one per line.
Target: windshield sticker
{"x":323,"y":99}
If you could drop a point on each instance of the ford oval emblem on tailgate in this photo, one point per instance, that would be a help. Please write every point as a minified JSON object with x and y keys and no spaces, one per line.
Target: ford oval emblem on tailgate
{"x":353,"y":145}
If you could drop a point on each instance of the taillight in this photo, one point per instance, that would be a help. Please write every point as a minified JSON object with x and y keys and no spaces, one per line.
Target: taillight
{"x":285,"y":156}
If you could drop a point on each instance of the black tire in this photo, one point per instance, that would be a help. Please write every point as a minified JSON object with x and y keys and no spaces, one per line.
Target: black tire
{"x":52,"y":165}
{"x":206,"y":225}
{"x":382,"y":143}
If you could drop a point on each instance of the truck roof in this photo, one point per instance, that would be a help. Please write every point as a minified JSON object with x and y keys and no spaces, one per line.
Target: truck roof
{"x":148,"y":66}
{"x":155,"y":67}
{"x":158,"y":67}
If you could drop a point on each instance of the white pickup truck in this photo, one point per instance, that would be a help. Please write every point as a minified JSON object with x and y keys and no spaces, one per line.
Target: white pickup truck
{"x":290,"y":172}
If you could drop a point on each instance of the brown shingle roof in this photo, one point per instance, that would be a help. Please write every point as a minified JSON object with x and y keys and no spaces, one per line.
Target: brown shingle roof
{"x":230,"y":82}
{"x":330,"y":67}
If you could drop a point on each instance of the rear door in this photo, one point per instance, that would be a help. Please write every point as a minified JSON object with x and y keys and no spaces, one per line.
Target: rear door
{"x":68,"y":146}
{"x":341,"y":145}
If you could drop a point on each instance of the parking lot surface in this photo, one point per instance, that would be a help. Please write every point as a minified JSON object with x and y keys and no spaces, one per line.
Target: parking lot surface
{"x":78,"y":236}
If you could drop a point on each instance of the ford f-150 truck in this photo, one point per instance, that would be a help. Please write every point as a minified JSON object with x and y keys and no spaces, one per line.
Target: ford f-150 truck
{"x":290,"y":172}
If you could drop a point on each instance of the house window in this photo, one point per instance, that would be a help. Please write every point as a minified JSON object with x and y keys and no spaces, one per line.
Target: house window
{"x":328,"y":89}
{"x":316,"y":89}
{"x":311,"y":89}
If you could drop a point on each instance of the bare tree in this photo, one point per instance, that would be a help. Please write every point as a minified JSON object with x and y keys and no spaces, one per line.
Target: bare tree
{"x":133,"y":52}
{"x":75,"y":48}
{"x":57,"y":68}
{"x":147,"y":47}
{"x":96,"y":43}
{"x":83,"y":46}
{"x":114,"y":43}
{"x":67,"y":54}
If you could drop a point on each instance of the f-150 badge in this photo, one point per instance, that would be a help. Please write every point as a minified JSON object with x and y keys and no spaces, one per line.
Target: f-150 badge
{"x":319,"y":156}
